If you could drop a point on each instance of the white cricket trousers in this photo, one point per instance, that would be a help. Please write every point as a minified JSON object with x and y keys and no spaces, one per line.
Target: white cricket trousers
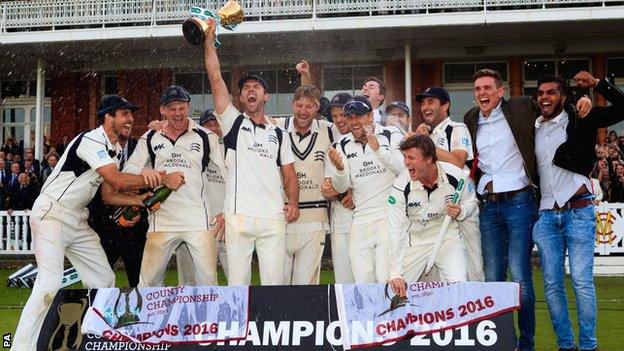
{"x":303,"y":257}
{"x":450,"y":262}
{"x":186,"y":270}
{"x":268,"y":236}
{"x":160,"y":246}
{"x":340,"y":257}
{"x":53,"y":240}
{"x":368,"y":254}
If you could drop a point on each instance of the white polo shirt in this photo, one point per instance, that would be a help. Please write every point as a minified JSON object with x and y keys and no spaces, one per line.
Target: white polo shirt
{"x":369,"y":173}
{"x":450,"y":135}
{"x":254,"y":155}
{"x":74,"y":181}
{"x":188,"y":208}
{"x":215,"y":185}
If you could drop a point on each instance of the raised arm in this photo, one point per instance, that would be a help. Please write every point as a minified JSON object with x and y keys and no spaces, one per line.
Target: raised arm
{"x":219,"y":89}
{"x":304,"y":70}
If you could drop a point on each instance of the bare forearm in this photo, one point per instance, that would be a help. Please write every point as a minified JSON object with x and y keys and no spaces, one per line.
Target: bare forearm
{"x":292,"y":189}
{"x":451,"y":157}
{"x":219,"y":89}
{"x":114,"y":198}
{"x":129,"y":182}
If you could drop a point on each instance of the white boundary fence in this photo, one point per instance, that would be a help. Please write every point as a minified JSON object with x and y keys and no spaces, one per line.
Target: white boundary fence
{"x":15,"y":236}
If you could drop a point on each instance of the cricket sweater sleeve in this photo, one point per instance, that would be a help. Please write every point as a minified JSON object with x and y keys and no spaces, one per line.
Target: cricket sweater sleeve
{"x":392,"y":157}
{"x":468,"y":200}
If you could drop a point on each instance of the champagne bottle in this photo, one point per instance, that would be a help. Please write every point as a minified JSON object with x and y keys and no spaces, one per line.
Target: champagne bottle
{"x":152,"y":203}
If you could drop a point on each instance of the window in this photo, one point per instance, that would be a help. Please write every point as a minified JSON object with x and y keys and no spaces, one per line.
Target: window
{"x":615,"y":67}
{"x":109,"y":85}
{"x":198,"y":86}
{"x":348,"y":79}
{"x":534,"y":70}
{"x":456,"y":73}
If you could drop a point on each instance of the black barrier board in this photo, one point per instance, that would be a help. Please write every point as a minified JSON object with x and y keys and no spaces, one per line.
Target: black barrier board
{"x":281,"y":318}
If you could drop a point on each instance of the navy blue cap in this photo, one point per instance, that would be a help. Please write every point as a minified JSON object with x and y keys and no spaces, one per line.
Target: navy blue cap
{"x":113,"y":103}
{"x":174,"y":93}
{"x":249,"y":77}
{"x":207,"y":116}
{"x":434,"y":92}
{"x":340,"y":99}
{"x":359,"y":105}
{"x":398,"y":104}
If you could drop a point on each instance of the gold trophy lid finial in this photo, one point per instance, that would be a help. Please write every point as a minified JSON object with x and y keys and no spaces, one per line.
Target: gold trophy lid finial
{"x":231,"y":13}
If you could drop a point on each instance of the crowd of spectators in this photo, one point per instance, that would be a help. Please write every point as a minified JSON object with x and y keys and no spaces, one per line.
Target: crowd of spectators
{"x":22,"y":175}
{"x":608,"y":174}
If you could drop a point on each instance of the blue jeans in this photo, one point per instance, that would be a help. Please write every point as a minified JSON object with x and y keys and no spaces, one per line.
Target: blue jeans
{"x":506,"y":240}
{"x":554,"y":233}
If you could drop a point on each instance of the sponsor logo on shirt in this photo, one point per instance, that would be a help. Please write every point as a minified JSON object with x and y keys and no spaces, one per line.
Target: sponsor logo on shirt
{"x":159,"y":146}
{"x":413,"y":204}
{"x":195,"y":147}
{"x":465,"y":142}
{"x":391,"y":200}
{"x":352,"y":155}
{"x":102,"y":154}
{"x":319,"y":156}
{"x":247,"y":129}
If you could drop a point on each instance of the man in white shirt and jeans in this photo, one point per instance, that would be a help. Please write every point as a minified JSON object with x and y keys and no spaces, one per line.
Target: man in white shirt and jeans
{"x":367,"y":160}
{"x":258,"y":155}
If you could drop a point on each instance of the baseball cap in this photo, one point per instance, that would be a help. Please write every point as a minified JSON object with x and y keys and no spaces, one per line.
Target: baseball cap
{"x":359,"y":105}
{"x":174,"y":93}
{"x":399,"y":104}
{"x":207,"y":116}
{"x":325,"y":108}
{"x":340,"y":99}
{"x":113,"y":103}
{"x":434,"y":92}
{"x":249,"y":77}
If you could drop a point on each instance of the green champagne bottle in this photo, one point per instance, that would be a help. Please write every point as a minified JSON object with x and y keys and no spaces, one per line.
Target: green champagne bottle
{"x":152,"y":203}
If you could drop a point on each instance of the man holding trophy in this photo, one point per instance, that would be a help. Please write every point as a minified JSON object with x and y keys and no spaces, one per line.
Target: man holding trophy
{"x":257,"y":155}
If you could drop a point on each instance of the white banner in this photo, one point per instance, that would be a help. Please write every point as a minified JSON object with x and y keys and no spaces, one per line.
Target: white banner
{"x":370,"y":314}
{"x":175,"y":315}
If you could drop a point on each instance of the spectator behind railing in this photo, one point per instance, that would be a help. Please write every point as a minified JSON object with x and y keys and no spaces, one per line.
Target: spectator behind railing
{"x":52,"y":160}
{"x":601,"y":173}
{"x":23,"y":197}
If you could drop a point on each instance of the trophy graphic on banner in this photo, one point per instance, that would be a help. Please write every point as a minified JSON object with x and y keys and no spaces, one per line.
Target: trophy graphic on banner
{"x":193,"y":29}
{"x":129,"y":316}
{"x":70,"y":316}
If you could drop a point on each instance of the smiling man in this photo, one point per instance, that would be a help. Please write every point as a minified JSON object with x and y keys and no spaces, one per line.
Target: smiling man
{"x":564,"y":146}
{"x":310,"y":138}
{"x":367,"y":160}
{"x":375,"y":91}
{"x":185,"y":147}
{"x":58,"y":218}
{"x":258,"y":156}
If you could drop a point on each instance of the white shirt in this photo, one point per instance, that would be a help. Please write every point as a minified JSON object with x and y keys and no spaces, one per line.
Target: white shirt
{"x":450,"y":135}
{"x":215,"y":186}
{"x":379,"y":116}
{"x":556,"y":184}
{"x":415,"y":215}
{"x":74,"y":181}
{"x":188,"y":208}
{"x":253,"y":156}
{"x":499,"y":156}
{"x":369,"y":173}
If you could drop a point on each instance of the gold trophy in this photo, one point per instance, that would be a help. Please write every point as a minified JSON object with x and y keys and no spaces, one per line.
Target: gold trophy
{"x":227,"y":17}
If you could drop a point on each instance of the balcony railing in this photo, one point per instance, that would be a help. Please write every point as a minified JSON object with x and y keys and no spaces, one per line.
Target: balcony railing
{"x":15,"y":236}
{"x":63,"y":14}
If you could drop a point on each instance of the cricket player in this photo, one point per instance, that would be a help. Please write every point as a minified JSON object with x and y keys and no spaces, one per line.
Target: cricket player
{"x":58,"y":218}
{"x":215,"y":193}
{"x":341,"y":203}
{"x":419,"y":200}
{"x":310,"y":138}
{"x":453,"y":145}
{"x":260,"y":163}
{"x":367,"y":160}
{"x":181,"y":146}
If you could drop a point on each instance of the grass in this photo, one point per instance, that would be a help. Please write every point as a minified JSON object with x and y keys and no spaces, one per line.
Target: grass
{"x":610,"y":291}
